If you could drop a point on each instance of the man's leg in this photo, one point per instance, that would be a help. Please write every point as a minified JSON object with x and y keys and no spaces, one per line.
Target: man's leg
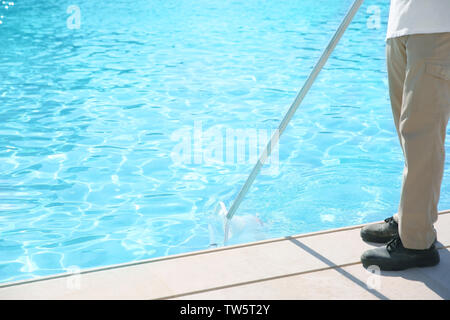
{"x":396,"y":67}
{"x":421,"y":114}
{"x":422,"y":122}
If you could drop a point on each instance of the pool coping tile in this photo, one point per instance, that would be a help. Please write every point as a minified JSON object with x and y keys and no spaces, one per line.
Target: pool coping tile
{"x":234,"y":271}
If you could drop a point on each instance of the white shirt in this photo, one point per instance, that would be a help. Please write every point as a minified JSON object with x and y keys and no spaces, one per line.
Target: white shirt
{"x":418,"y":16}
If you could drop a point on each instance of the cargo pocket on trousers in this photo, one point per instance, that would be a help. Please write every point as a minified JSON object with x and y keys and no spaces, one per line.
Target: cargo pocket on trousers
{"x":439,"y":70}
{"x":440,"y":96}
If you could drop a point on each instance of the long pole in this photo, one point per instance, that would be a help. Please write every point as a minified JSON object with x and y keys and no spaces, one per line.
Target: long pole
{"x":287,"y":118}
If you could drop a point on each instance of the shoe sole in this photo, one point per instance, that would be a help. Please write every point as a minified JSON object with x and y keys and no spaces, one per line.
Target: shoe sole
{"x":375,"y":239}
{"x":389,"y":266}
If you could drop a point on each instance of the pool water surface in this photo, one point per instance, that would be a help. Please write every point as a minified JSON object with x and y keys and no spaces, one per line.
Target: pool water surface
{"x":98,"y":99}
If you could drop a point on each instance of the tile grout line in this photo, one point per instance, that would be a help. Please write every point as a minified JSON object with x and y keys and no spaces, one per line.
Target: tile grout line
{"x":266,"y":279}
{"x":238,"y":284}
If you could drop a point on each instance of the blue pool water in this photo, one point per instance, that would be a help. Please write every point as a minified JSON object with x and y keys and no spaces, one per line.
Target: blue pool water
{"x":90,"y":117}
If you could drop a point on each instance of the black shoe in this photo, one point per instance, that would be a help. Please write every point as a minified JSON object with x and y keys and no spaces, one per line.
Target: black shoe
{"x":380,"y":232}
{"x":396,"y":257}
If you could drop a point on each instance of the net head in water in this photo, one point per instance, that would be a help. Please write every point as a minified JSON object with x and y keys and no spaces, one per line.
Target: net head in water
{"x":241,"y":228}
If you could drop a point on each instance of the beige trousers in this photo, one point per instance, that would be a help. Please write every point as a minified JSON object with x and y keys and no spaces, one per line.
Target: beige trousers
{"x":419,"y":87}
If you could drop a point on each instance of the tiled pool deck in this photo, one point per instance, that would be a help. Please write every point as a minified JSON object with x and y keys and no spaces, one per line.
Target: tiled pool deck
{"x":321,"y":265}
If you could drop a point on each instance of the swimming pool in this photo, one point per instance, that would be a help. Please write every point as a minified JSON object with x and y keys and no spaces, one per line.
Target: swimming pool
{"x":96,"y":97}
